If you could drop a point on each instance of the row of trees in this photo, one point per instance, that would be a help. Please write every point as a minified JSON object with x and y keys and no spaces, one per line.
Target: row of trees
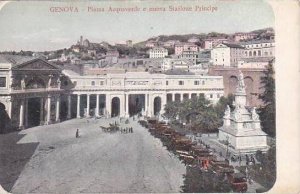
{"x":198,"y":112}
{"x":267,"y":112}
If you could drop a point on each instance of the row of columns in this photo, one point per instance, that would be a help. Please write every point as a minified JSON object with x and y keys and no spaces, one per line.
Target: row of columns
{"x":45,"y":111}
{"x":181,"y":95}
{"x":124,"y":102}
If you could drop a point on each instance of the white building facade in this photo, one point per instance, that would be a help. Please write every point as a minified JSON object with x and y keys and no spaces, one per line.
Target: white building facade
{"x":155,"y":90}
{"x":180,"y":48}
{"x":259,"y":49}
{"x":220,"y":55}
{"x":158,"y":52}
{"x":226,"y":54}
{"x":35,"y":92}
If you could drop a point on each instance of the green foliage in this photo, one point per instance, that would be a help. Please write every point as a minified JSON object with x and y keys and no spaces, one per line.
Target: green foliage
{"x":199,"y":112}
{"x":268,"y":111}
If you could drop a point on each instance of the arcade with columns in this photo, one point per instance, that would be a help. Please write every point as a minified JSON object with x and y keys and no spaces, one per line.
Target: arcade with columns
{"x":35,"y":92}
{"x":131,"y":93}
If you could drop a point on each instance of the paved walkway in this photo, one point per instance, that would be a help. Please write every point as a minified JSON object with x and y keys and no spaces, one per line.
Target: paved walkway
{"x":97,"y":161}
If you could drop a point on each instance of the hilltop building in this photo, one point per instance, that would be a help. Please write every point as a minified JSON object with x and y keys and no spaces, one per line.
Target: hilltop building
{"x":210,"y":43}
{"x":259,"y":48}
{"x":240,"y":36}
{"x":226,"y":54}
{"x":179,"y":48}
{"x":158,"y":52}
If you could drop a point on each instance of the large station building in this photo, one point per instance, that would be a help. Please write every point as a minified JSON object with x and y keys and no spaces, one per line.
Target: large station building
{"x":35,"y":92}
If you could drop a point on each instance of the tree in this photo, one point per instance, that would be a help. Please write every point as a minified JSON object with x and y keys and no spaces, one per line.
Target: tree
{"x":268,"y":111}
{"x":220,"y":107}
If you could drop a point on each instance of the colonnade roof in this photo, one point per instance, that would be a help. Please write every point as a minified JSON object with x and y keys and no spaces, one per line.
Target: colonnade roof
{"x":139,"y":75}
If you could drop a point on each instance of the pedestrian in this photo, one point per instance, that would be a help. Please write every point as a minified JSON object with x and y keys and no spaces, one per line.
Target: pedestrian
{"x":247,"y":175}
{"x":77,"y":133}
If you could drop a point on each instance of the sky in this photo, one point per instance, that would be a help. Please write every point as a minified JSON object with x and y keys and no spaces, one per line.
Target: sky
{"x":31,"y":25}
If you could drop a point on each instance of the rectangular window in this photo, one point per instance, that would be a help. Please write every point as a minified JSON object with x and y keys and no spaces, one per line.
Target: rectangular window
{"x":211,"y":96}
{"x":93,"y":83}
{"x":181,"y":83}
{"x":101,"y":83}
{"x":75,"y":83}
{"x":196,"y":82}
{"x":167,"y":83}
{"x":2,"y":82}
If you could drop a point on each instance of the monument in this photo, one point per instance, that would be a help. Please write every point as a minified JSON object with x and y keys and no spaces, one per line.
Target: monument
{"x":241,"y":128}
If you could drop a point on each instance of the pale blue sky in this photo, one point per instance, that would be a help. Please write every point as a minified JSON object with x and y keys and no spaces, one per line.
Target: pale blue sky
{"x":31,"y":25}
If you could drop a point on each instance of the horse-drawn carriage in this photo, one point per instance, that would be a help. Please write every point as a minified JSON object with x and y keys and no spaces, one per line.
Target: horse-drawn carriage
{"x":238,"y":182}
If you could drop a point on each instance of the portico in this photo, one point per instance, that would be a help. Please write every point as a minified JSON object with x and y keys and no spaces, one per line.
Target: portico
{"x":141,"y":90}
{"x":32,"y":94}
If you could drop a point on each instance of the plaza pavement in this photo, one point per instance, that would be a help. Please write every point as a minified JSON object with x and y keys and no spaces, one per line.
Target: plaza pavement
{"x":97,"y":161}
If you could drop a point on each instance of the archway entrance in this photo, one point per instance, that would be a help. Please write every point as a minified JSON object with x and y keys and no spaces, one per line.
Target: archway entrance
{"x":136,"y":103}
{"x":63,"y":110}
{"x":2,"y":118}
{"x":33,"y":115}
{"x":157,"y":105}
{"x":115,"y":107}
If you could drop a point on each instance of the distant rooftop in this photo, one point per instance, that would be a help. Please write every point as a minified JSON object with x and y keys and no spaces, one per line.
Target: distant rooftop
{"x":15,"y":59}
{"x":231,"y":45}
{"x":256,"y":42}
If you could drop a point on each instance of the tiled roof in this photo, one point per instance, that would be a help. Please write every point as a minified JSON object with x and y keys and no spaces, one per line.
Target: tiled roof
{"x":15,"y":59}
{"x":233,"y":45}
{"x":256,"y":42}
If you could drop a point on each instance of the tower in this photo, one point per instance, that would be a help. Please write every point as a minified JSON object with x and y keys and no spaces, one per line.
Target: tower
{"x":81,"y":40}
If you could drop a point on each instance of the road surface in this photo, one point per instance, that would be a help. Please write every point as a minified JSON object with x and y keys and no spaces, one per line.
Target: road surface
{"x":97,"y":161}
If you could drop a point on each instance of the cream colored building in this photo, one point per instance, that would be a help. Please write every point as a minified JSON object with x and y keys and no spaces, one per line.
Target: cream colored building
{"x":187,"y":46}
{"x":253,"y":63}
{"x":153,"y":91}
{"x":158,"y":52}
{"x":35,"y":92}
{"x":259,"y":48}
{"x":170,"y":64}
{"x":227,"y":54}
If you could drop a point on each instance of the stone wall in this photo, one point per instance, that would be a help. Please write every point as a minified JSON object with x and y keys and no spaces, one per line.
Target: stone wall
{"x":252,"y":81}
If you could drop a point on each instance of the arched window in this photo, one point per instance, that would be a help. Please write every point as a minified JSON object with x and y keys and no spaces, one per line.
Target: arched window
{"x":259,"y":53}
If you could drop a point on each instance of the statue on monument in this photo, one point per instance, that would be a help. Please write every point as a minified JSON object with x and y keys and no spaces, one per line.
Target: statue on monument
{"x":50,"y":81}
{"x":143,"y":112}
{"x":58,"y":83}
{"x":254,"y":114}
{"x":241,"y":83}
{"x":227,"y":112}
{"x":23,"y":85}
{"x":238,"y":113}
